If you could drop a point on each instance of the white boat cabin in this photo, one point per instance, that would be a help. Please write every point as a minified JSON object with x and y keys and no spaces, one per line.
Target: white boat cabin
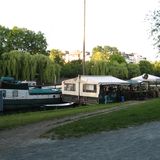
{"x":88,"y":89}
{"x":30,"y":83}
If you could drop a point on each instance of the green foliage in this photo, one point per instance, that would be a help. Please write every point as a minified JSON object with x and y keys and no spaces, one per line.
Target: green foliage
{"x":155,"y":27}
{"x":24,"y":66}
{"x":98,"y":49}
{"x":72,"y":69}
{"x":4,"y":32}
{"x":100,"y":53}
{"x":22,"y":39}
{"x":107,"y":68}
{"x":118,"y":70}
{"x":99,"y":56}
{"x":117,"y":57}
{"x":146,"y":67}
{"x":111,"y":50}
{"x":157,"y":68}
{"x":133,"y":70}
{"x":100,"y":68}
{"x":107,"y":61}
{"x":56,"y":56}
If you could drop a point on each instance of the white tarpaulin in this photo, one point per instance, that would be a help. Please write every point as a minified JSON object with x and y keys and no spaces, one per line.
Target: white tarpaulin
{"x":147,"y":78}
{"x":104,"y":80}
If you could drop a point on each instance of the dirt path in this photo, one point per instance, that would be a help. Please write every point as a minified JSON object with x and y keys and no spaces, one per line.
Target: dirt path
{"x":22,"y":135}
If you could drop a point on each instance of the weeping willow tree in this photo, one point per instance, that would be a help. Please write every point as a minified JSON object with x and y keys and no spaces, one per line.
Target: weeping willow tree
{"x":97,"y":68}
{"x":88,"y":66}
{"x":16,"y":64}
{"x":107,"y":68}
{"x":26,"y":69}
{"x":118,"y":70}
{"x":32,"y":67}
{"x":44,"y":69}
{"x":24,"y":66}
{"x":41,"y":62}
{"x":52,"y":72}
{"x":10,"y":66}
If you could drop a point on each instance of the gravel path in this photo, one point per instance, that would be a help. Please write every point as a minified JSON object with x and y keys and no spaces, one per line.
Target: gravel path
{"x":23,"y":134}
{"x":137,"y":143}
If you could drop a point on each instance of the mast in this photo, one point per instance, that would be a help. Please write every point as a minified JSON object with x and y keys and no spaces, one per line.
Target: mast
{"x":84,"y":36}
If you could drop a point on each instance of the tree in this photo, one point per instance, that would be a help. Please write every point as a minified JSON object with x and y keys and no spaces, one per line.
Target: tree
{"x":56,"y":56}
{"x":155,"y":27}
{"x":103,"y":53}
{"x":46,"y":70}
{"x":118,"y":70}
{"x":157,"y":68}
{"x":98,"y":56}
{"x":111,"y":50}
{"x":72,"y":69}
{"x":133,"y":70}
{"x":4,"y":32}
{"x":145,"y":67}
{"x":24,"y":66}
{"x":117,"y":58}
{"x":22,"y":39}
{"x":99,"y":68}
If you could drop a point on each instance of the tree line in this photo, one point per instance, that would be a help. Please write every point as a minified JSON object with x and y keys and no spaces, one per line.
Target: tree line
{"x":25,"y":66}
{"x":24,"y":55}
{"x":122,"y":70}
{"x":22,"y":39}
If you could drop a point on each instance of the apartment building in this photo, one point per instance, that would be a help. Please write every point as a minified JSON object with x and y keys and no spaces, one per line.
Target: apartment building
{"x":133,"y":57}
{"x":75,"y":55}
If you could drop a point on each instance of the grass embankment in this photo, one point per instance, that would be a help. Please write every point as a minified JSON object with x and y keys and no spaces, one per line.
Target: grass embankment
{"x":139,"y":114}
{"x":19,"y":119}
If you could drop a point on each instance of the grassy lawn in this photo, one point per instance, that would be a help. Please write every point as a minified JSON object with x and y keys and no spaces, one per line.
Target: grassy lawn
{"x":19,"y":119}
{"x":139,"y":114}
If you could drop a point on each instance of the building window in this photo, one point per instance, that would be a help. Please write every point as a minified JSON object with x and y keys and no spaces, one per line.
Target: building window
{"x":15,"y":93}
{"x":69,"y":87}
{"x":90,"y":88}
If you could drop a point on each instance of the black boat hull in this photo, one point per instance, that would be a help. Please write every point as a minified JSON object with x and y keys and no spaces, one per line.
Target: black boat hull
{"x":18,"y":104}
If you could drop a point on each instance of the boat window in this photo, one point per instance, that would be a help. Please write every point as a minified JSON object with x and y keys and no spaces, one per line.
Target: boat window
{"x":89,"y":88}
{"x":15,"y":93}
{"x":69,"y":87}
{"x":4,"y":93}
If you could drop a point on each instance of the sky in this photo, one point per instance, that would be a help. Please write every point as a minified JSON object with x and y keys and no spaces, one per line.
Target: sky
{"x":116,"y":23}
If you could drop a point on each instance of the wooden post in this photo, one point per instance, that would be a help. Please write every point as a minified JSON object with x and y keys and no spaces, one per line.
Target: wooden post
{"x":1,"y":101}
{"x":79,"y":78}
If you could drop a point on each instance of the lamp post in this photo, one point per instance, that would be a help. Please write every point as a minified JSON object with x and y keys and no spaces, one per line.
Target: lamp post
{"x":84,"y":36}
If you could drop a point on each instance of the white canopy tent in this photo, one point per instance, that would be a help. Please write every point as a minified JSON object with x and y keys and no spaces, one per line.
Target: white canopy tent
{"x":102,"y":80}
{"x":147,"y":78}
{"x":88,"y":86}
